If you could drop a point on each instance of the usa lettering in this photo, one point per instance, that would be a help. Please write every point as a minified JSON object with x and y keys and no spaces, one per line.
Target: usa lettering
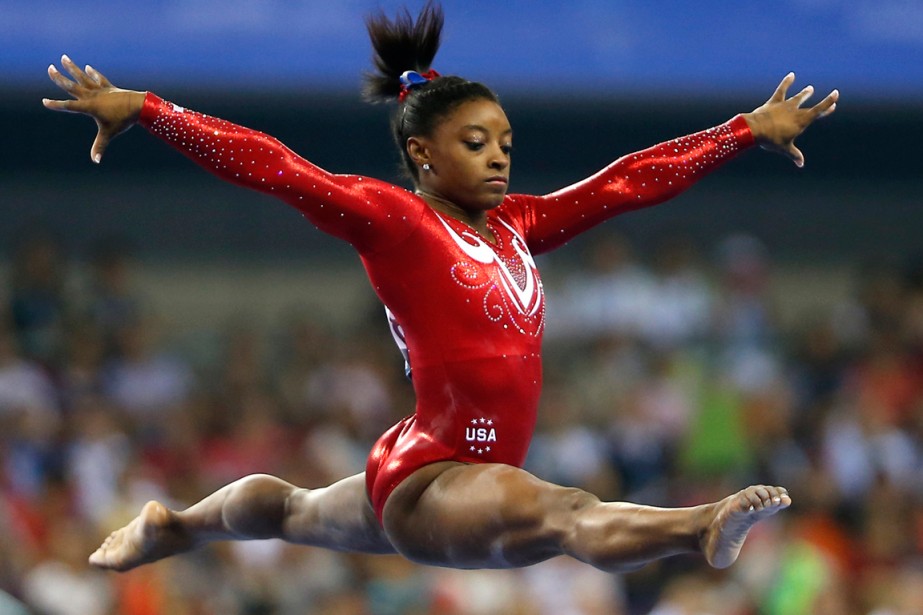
{"x":480,"y":434}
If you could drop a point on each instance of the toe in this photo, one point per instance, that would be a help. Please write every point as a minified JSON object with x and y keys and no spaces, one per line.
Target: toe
{"x":98,"y":558}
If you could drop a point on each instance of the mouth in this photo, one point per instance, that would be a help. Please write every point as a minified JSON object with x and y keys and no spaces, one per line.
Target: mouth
{"x":497,"y":180}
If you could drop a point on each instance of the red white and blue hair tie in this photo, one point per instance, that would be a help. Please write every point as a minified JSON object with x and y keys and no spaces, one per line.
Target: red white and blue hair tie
{"x":411,"y":79}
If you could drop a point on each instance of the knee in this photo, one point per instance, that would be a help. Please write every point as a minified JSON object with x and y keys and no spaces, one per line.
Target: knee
{"x":261,"y":489}
{"x":542,"y":521}
{"x":566,"y":507}
{"x":577,"y":500}
{"x":256,"y":505}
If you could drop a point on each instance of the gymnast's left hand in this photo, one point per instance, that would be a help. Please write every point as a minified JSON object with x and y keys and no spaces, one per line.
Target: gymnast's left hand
{"x":776,"y":123}
{"x":114,"y":109}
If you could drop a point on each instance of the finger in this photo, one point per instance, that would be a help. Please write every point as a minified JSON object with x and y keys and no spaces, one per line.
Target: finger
{"x":98,"y":77}
{"x":795,"y":154}
{"x":782,"y":89}
{"x":829,"y":110}
{"x":99,"y":146}
{"x":60,"y":80}
{"x":70,"y":106}
{"x":803,"y":95}
{"x":89,"y":71}
{"x":78,"y":75}
{"x":827,"y":105}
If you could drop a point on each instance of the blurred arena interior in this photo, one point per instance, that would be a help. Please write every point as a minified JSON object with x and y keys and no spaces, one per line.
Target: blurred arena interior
{"x":164,"y":333}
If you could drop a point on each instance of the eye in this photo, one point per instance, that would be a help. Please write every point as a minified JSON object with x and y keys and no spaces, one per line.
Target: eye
{"x":507,"y":149}
{"x":474,"y":146}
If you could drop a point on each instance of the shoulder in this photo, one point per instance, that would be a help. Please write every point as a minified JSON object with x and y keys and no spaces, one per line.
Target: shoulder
{"x":514,"y":206}
{"x":518,"y":210}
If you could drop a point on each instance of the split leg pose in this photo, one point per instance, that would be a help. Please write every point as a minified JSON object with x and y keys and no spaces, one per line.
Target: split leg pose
{"x":444,"y":486}
{"x":449,"y":514}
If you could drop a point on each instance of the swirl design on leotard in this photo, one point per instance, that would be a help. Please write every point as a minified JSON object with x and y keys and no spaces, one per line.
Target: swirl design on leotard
{"x":514,"y":289}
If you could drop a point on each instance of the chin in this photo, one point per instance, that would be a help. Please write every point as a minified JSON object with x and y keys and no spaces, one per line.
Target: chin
{"x":494,"y":200}
{"x":483,"y":201}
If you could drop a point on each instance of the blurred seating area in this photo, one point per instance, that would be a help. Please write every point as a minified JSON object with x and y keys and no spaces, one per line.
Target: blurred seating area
{"x":675,"y":374}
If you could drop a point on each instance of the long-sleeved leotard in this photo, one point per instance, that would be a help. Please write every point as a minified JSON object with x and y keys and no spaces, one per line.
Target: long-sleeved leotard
{"x":470,"y":313}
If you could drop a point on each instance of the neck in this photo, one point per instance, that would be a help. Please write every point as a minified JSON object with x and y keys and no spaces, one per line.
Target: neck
{"x":475,"y":219}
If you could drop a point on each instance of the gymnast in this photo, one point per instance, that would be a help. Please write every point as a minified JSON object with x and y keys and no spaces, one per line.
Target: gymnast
{"x":452,"y":261}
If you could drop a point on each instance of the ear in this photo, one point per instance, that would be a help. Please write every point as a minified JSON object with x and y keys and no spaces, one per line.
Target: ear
{"x":418,"y":150}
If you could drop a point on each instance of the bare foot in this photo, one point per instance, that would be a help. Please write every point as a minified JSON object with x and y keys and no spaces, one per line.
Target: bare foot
{"x":733,"y":518}
{"x":152,"y":535}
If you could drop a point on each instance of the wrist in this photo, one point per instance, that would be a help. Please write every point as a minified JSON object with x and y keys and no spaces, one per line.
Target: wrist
{"x":758,"y":124}
{"x":135,"y":103}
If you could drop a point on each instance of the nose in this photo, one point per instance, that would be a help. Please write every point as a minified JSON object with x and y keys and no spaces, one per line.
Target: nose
{"x":499,"y":159}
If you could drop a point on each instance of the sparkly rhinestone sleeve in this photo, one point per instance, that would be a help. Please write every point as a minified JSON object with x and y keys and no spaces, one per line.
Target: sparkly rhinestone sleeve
{"x":368,"y":213}
{"x":637,"y":180}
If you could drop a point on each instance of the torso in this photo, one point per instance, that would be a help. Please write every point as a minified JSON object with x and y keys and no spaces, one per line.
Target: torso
{"x":472,"y":315}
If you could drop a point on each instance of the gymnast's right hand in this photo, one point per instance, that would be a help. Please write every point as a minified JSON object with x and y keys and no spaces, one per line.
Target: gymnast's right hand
{"x":114,"y":109}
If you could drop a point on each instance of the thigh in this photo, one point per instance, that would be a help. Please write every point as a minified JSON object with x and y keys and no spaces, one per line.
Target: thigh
{"x":337,"y":517}
{"x":480,"y":516}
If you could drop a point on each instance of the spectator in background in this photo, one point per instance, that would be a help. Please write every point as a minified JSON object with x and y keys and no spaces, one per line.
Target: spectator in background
{"x":569,"y":451}
{"x":149,"y":385}
{"x":143,"y":379}
{"x":679,"y":307}
{"x":303,"y":349}
{"x":80,"y":373}
{"x":25,"y":386}
{"x":30,"y":420}
{"x":243,"y":362}
{"x":97,"y":458}
{"x":62,"y":584}
{"x":113,"y":300}
{"x":606,"y":297}
{"x":742,"y":315}
{"x":647,"y":429}
{"x":38,"y":299}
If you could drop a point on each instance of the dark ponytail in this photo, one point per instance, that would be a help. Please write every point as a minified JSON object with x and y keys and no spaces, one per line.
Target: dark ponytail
{"x":404,"y":44}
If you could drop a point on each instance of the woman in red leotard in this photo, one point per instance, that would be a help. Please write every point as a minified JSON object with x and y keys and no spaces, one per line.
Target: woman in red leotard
{"x":453,"y":263}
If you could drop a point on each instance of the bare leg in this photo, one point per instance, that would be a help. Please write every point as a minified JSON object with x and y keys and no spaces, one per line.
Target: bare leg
{"x":259,"y":506}
{"x":496,"y":516}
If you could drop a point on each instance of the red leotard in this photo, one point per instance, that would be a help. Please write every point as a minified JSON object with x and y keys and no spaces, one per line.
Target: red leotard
{"x":471,"y":313}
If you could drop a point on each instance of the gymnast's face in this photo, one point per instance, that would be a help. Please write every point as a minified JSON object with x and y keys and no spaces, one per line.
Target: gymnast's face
{"x":468,"y":155}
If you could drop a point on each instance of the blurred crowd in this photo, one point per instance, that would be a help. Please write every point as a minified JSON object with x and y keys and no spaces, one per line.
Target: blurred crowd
{"x":669,"y":381}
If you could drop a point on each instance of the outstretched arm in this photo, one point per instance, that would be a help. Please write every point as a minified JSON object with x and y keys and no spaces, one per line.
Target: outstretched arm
{"x":360,"y":210}
{"x":659,"y":173}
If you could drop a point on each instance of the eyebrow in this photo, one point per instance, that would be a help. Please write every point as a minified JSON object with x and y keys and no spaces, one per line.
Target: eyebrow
{"x":508,"y":131}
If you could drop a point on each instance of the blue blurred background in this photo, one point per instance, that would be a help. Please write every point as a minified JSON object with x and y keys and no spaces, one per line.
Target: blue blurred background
{"x":164,"y":333}
{"x":871,"y":50}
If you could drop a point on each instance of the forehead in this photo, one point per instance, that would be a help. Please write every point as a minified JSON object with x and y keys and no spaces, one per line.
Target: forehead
{"x":477,"y":114}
